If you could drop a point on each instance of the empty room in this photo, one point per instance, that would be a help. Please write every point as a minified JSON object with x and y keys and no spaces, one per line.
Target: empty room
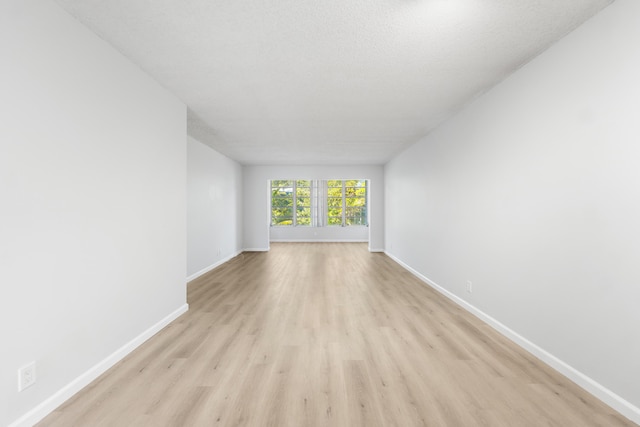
{"x":299,"y":213}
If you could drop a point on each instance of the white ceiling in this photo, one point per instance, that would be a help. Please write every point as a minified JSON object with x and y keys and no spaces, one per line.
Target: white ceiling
{"x":326,"y":82}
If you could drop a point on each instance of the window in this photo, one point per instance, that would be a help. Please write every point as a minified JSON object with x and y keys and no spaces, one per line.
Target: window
{"x":355,"y":202}
{"x":303,"y":202}
{"x":318,"y":203}
{"x":335,"y":205}
{"x":291,"y":202}
{"x":347,"y":202}
{"x":281,"y":202}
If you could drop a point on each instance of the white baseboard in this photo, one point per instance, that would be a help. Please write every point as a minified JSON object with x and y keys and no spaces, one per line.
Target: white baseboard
{"x":255,"y":250}
{"x":212,"y":266}
{"x":618,"y":403}
{"x":376,"y":250}
{"x":45,"y":408}
{"x":318,"y":241}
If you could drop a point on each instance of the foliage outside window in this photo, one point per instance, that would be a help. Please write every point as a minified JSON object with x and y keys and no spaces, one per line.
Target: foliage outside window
{"x":281,"y":202}
{"x":319,"y":203}
{"x":335,"y":198}
{"x":355,"y":206}
{"x":291,"y":202}
{"x":303,"y":202}
{"x":347,"y":202}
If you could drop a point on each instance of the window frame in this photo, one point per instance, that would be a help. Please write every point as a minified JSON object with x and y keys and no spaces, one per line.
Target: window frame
{"x":344,"y":217}
{"x":319,"y":203}
{"x":294,"y":201}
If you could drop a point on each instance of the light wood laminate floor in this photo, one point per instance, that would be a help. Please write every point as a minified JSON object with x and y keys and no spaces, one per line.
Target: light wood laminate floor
{"x":327,"y":335}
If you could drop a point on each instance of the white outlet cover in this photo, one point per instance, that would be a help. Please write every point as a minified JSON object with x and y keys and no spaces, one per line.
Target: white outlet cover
{"x":26,"y":376}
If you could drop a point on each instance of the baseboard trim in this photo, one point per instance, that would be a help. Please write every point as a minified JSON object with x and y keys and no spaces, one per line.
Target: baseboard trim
{"x":616,"y":402}
{"x":50,"y":404}
{"x":255,"y":250}
{"x":212,"y":266}
{"x":319,"y":241}
{"x":376,"y":250}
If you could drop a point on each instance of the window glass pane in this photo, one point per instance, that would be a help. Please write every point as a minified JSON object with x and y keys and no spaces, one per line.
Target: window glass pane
{"x":353,"y":212}
{"x":356,"y":201}
{"x":282,"y":202}
{"x":334,"y":183}
{"x":303,"y":216}
{"x":334,"y":192}
{"x":303,"y":201}
{"x":356,"y":221}
{"x":334,"y":211}
{"x":303,"y":192}
{"x":304,"y":222}
{"x":356,"y":191}
{"x":335,"y":220}
{"x":282,"y":191}
{"x":303,"y":211}
{"x":282,"y":183}
{"x":281,"y":220}
{"x":334,"y":202}
{"x":282,"y":212}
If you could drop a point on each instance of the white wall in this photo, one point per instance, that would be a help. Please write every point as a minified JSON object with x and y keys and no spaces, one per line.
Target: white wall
{"x":256,"y":205}
{"x":354,"y":233}
{"x":92,"y":194}
{"x":214,"y":208}
{"x":533,"y":194}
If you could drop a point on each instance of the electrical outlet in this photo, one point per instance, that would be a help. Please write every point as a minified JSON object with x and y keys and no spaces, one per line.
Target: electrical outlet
{"x":469,"y":286}
{"x":26,"y":376}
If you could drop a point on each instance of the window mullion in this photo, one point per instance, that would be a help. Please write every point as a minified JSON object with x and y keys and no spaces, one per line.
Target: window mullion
{"x":318,"y":209}
{"x":325,"y":194}
{"x":344,"y":204}
{"x":294,"y":220}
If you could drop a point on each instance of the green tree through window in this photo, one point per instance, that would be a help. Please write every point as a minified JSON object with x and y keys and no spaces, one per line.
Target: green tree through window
{"x":347,"y":202}
{"x":335,"y":205}
{"x":281,"y":202}
{"x":303,"y":203}
{"x":355,"y":197}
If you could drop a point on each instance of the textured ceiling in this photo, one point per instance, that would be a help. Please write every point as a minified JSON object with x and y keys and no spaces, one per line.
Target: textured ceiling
{"x":326,"y":82}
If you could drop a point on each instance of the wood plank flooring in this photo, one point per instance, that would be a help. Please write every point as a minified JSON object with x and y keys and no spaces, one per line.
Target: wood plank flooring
{"x":327,"y":335}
